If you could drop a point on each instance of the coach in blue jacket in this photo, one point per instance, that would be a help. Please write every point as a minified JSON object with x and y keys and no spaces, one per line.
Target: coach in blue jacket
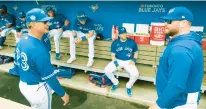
{"x":180,"y":71}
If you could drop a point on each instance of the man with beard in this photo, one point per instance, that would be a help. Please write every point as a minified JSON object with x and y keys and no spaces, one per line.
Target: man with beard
{"x":180,"y":71}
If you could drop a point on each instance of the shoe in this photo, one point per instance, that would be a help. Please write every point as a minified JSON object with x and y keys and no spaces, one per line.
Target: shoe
{"x":114,"y":87}
{"x":90,"y":63}
{"x":71,"y":60}
{"x":58,"y":56}
{"x":129,"y":92}
{"x":1,"y":47}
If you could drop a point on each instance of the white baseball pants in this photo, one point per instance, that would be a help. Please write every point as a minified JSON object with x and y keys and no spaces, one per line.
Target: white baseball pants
{"x":73,"y":45}
{"x":39,"y":96}
{"x":131,"y":69}
{"x":57,"y":35}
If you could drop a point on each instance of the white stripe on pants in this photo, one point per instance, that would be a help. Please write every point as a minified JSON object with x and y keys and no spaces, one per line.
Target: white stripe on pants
{"x":57,"y":35}
{"x":73,"y":45}
{"x":39,"y":96}
{"x":131,"y":69}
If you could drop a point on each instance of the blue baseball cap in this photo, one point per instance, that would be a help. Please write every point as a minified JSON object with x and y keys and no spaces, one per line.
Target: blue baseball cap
{"x":81,"y":16}
{"x":179,"y":13}
{"x":122,"y":30}
{"x":48,"y":8}
{"x":21,"y":14}
{"x":36,"y":15}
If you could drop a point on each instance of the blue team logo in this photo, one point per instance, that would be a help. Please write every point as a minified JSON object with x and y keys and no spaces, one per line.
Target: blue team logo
{"x":15,"y":7}
{"x":33,"y":18}
{"x":94,"y":7}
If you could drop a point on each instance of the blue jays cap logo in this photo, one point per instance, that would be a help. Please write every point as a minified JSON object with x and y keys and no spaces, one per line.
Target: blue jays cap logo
{"x":33,"y":18}
{"x":171,"y":10}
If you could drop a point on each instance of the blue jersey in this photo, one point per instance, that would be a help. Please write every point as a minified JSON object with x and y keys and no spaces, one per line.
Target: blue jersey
{"x":33,"y":60}
{"x":33,"y":64}
{"x":124,"y":50}
{"x":57,"y":22}
{"x":8,"y":19}
{"x":89,"y":25}
{"x":21,"y":25}
{"x":46,"y":41}
{"x":180,"y":71}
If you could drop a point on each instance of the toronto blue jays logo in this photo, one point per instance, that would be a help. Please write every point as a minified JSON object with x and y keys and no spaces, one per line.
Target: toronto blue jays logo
{"x":94,"y":7}
{"x":98,"y":27}
{"x":15,"y":7}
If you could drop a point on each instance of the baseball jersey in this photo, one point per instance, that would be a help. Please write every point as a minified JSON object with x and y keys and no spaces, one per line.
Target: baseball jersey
{"x":89,"y":25}
{"x":124,"y":50}
{"x":180,"y":71}
{"x":34,"y":65}
{"x":8,"y":19}
{"x":21,"y":25}
{"x":46,"y":41}
{"x":57,"y":22}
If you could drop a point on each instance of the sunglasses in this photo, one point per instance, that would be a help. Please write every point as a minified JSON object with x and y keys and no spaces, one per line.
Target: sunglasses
{"x":168,"y":21}
{"x":45,"y":22}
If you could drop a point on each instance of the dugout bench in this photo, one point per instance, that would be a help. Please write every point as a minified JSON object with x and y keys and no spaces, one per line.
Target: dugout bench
{"x":147,"y":61}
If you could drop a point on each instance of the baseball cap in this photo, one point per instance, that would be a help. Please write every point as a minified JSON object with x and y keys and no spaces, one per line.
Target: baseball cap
{"x":81,"y":16}
{"x":21,"y":14}
{"x":48,"y":8}
{"x":122,"y":30}
{"x":3,"y":7}
{"x":36,"y":15}
{"x":179,"y":13}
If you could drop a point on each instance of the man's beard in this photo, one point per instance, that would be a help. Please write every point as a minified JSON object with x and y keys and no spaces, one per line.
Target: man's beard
{"x":172,"y":33}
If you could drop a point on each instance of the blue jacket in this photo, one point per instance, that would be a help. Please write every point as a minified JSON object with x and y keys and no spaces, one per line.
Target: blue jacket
{"x":180,"y":71}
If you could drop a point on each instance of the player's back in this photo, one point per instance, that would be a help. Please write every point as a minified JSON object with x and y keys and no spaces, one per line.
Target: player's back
{"x":27,"y":52}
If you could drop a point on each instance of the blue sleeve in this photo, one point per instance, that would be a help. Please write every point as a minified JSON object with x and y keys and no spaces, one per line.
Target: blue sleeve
{"x":63,"y":19}
{"x":11,"y":19}
{"x":113,"y":47}
{"x":180,"y":61}
{"x":54,"y":84}
{"x":135,"y":47}
{"x":48,"y":72}
{"x":18,"y":26}
{"x":74,"y":27}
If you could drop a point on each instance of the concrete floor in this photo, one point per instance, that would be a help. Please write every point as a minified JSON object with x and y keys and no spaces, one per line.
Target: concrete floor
{"x":144,"y":93}
{"x":78,"y":99}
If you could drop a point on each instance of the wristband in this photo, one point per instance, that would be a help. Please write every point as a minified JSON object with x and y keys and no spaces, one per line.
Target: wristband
{"x":75,"y":36}
{"x":84,"y":38}
{"x":116,"y":63}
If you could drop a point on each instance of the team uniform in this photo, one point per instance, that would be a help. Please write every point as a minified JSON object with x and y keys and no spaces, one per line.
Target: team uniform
{"x":56,"y":23}
{"x":37,"y":74}
{"x":178,"y":82}
{"x":21,"y":26}
{"x":6,"y":20}
{"x":181,"y":67}
{"x":124,"y":52}
{"x":81,"y":31}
